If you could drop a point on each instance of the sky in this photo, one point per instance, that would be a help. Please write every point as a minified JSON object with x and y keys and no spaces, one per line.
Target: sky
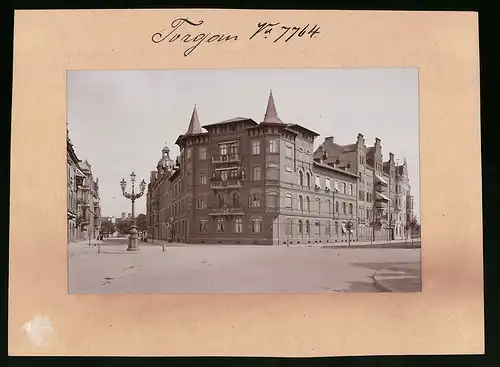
{"x":121,"y":120}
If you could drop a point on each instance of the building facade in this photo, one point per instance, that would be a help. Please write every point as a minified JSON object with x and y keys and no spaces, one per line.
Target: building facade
{"x":242,"y":182}
{"x":83,"y":203}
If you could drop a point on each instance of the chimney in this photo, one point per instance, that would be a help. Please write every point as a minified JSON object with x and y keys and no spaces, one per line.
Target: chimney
{"x":377,"y":141}
{"x":391,"y":157}
{"x":360,"y":136}
{"x":329,"y":140}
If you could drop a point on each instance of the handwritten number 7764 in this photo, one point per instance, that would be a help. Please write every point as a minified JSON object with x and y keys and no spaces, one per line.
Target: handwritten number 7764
{"x":267,"y":28}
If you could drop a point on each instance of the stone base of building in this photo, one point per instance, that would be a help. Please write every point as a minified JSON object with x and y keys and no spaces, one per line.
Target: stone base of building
{"x":230,"y":241}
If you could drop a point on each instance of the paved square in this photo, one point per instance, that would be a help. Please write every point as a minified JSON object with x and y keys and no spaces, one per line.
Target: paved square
{"x":231,"y":269}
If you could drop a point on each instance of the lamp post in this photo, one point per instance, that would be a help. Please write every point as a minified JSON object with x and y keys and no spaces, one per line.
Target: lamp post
{"x":132,"y":240}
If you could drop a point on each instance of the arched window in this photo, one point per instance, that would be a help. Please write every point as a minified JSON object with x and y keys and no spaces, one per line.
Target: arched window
{"x":301,"y":178}
{"x":328,"y":229}
{"x":256,"y":225}
{"x":350,"y":208}
{"x":350,"y":189}
{"x":301,"y":202}
{"x":336,"y":227}
{"x":308,"y":179}
{"x":337,"y":207}
{"x":288,"y":230}
{"x":343,"y":208}
{"x":236,"y":200}
{"x":344,"y":188}
{"x":288,"y":200}
{"x":300,"y":226}
{"x":220,"y":200}
{"x":238,"y":225}
{"x":308,"y":227}
{"x":318,"y":203}
{"x":329,"y":202}
{"x":308,"y":203}
{"x":317,"y":228}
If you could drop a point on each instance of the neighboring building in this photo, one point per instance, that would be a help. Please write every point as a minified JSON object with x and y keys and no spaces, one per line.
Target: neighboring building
{"x":383,"y":188}
{"x":243,"y":182}
{"x":84,"y":211}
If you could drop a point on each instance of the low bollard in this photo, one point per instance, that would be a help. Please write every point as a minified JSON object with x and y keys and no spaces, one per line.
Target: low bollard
{"x":98,"y":249}
{"x":163,"y":248}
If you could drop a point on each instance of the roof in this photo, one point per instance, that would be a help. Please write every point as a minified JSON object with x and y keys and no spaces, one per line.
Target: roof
{"x":271,"y":115}
{"x":235,"y":119}
{"x":334,"y":169}
{"x":194,"y":123}
{"x":348,"y":148}
{"x":292,"y":126}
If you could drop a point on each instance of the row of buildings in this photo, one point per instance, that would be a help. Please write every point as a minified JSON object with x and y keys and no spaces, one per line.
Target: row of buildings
{"x":84,"y":210}
{"x":243,"y":182}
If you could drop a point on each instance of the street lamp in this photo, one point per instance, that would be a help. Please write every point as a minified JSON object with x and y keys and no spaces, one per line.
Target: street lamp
{"x":132,"y":240}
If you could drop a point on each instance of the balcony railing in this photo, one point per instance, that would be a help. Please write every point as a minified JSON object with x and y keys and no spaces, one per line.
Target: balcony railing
{"x":225,"y":210}
{"x":226,"y":158}
{"x":232,"y":183}
{"x":380,"y":204}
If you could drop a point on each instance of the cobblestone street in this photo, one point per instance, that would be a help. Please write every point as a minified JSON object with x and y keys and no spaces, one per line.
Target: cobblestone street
{"x":237,"y":269}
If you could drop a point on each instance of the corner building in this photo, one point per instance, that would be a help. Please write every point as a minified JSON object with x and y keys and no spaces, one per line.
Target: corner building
{"x":242,"y":182}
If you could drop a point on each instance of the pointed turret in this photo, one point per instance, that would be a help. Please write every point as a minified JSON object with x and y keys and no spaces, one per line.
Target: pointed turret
{"x":194,"y":124}
{"x":271,"y":115}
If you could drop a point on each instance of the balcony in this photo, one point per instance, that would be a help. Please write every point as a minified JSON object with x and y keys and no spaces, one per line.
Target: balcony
{"x":231,"y":183}
{"x":226,"y":158}
{"x":225,"y":210}
{"x":380,"y":204}
{"x":83,"y":203}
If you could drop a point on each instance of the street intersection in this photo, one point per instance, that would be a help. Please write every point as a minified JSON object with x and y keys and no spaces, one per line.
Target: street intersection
{"x":176,"y":268}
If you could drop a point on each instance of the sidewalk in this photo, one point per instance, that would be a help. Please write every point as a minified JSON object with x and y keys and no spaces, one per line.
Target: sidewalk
{"x":403,"y":278}
{"x":85,"y":242}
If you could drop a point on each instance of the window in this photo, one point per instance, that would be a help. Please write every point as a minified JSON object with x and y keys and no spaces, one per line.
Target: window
{"x":188,"y":154}
{"x":308,"y":203}
{"x":301,"y":202}
{"x":220,"y":200}
{"x":233,"y":148}
{"x":272,"y":172}
{"x":233,"y":173}
{"x":336,"y":227}
{"x":308,"y":180}
{"x":254,"y":200}
{"x":317,"y":228}
{"x":317,"y":182}
{"x":328,"y":229}
{"x":318,"y":203}
{"x":308,"y":227}
{"x":273,"y":146}
{"x":220,"y":225}
{"x":329,"y":206}
{"x":343,"y":208}
{"x":256,"y":225}
{"x":327,"y":183}
{"x":238,"y":225}
{"x":203,"y":178}
{"x":200,"y":203}
{"x":255,"y":147}
{"x":288,"y":201}
{"x":288,"y":229}
{"x":289,"y":151}
{"x":223,"y":149}
{"x":203,"y":153}
{"x":203,"y":225}
{"x":272,"y":200}
{"x":236,"y":200}
{"x":336,"y":185}
{"x":301,"y":178}
{"x":337,"y":207}
{"x":344,"y":191}
{"x":223,"y":175}
{"x":256,"y":173}
{"x":350,"y":189}
{"x":350,"y":208}
{"x":300,"y":226}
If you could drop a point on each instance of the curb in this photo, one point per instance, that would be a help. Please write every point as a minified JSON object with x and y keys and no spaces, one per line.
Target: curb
{"x":384,"y":288}
{"x":379,"y":286}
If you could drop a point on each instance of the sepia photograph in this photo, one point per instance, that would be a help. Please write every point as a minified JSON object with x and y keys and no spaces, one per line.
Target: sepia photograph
{"x":243,"y":181}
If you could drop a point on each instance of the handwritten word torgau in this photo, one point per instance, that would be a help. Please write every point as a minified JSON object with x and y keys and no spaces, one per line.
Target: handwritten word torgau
{"x":187,"y":37}
{"x":272,"y":28}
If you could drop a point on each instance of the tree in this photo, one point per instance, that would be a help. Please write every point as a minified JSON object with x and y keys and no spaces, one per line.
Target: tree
{"x":123,"y":226}
{"x":411,"y":225}
{"x":142,"y":222}
{"x":107,"y":226}
{"x":349,"y":225}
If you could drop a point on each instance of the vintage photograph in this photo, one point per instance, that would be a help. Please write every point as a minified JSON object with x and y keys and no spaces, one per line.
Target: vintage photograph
{"x":243,"y":181}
